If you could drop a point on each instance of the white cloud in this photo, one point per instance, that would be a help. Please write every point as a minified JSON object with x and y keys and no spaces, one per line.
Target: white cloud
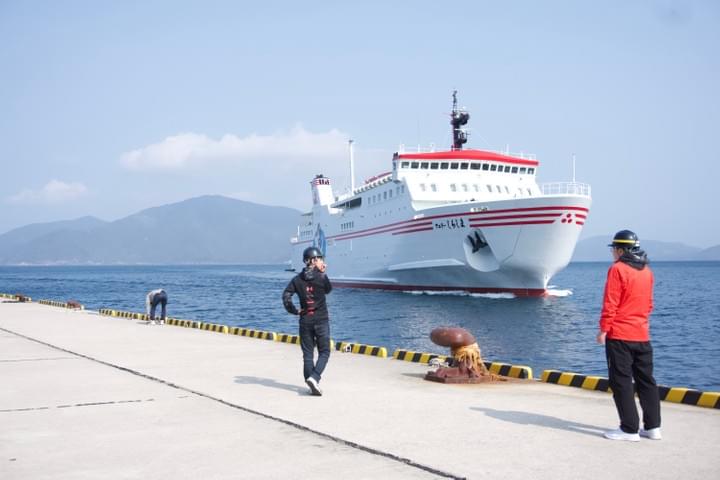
{"x":187,"y":151}
{"x":267,"y":169}
{"x":54,"y":192}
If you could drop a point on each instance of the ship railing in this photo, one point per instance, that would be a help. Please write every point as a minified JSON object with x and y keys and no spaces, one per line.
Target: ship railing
{"x":565,"y":188}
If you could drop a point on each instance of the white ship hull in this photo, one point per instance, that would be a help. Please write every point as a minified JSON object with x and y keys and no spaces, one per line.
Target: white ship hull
{"x":528,"y":241}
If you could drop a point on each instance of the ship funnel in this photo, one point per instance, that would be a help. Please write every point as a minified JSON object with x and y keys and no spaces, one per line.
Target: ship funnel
{"x":321,"y":190}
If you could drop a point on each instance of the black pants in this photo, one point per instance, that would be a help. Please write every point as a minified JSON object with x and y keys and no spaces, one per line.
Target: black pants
{"x":628,"y":361}
{"x":314,"y":335}
{"x":160,"y":298}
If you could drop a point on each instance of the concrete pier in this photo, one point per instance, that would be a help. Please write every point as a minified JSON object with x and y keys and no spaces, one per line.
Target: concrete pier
{"x":89,"y":396}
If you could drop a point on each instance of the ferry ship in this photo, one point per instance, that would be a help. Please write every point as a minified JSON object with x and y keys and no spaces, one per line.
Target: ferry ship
{"x":454,"y":220}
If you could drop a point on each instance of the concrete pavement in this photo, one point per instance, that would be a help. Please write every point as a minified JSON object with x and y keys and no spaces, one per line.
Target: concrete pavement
{"x":88,"y":396}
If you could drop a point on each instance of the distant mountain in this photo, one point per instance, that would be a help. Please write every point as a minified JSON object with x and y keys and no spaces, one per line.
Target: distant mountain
{"x":712,"y":253}
{"x":209,"y":229}
{"x":594,"y":249}
{"x":30,"y":232}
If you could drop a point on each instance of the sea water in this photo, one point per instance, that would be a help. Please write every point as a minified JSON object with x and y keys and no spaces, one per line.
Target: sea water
{"x":553,"y":332}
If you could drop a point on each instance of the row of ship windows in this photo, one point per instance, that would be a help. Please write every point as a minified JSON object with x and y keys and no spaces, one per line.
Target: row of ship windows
{"x":387,"y":194}
{"x":491,"y":167}
{"x":347,"y":226}
{"x":464,"y":187}
{"x":477,"y":188}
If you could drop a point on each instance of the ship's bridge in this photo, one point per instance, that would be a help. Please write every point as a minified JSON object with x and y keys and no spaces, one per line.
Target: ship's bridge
{"x":466,"y":175}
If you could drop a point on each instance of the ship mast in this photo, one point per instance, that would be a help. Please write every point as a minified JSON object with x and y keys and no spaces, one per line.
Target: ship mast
{"x":458,"y":118}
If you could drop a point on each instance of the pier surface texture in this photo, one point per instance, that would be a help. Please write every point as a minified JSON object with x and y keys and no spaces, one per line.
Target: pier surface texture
{"x":86,"y":396}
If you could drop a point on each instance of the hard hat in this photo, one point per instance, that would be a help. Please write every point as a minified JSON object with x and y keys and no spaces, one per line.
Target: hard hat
{"x":310,"y":253}
{"x":625,"y":239}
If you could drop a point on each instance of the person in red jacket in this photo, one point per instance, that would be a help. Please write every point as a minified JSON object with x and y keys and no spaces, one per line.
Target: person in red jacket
{"x":625,"y":332}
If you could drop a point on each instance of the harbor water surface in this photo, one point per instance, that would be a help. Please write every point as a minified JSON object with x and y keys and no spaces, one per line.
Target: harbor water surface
{"x":553,"y":332}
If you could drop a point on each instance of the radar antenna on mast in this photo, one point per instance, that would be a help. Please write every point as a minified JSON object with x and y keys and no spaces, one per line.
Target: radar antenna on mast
{"x":458,"y":118}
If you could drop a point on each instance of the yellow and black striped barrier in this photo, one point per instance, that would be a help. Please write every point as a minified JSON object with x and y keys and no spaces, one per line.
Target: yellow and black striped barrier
{"x":502,"y":369}
{"x":249,"y":332}
{"x":361,"y":349}
{"x":73,"y":305}
{"x":688,"y":396}
{"x":417,"y":357}
{"x":182,"y":323}
{"x":213,"y":327}
{"x":287,"y":338}
{"x":121,"y":314}
{"x":570,"y":379}
{"x":507,"y":370}
{"x":685,"y":396}
{"x":16,"y":297}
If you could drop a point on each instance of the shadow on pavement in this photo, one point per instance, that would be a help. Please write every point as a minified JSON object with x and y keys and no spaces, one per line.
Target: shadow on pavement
{"x":269,"y":382}
{"x":525,"y":418}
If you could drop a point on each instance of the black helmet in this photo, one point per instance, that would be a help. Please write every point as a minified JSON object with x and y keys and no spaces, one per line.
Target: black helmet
{"x":310,"y":253}
{"x":625,"y":239}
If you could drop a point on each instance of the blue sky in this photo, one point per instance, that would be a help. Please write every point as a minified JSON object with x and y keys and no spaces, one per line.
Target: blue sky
{"x":111,"y":107}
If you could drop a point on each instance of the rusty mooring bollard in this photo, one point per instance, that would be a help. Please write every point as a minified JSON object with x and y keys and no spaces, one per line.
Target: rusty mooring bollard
{"x":467,"y":365}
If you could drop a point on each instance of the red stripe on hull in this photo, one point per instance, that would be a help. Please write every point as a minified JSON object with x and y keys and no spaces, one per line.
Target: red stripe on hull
{"x":473,"y":216}
{"x":413,"y":230}
{"x":506,"y":217}
{"x":520,"y":292}
{"x":502,"y":224}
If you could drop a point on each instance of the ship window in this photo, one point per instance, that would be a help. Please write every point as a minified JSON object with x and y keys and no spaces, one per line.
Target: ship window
{"x":414,"y":165}
{"x":464,"y":187}
{"x":507,"y":190}
{"x":531,"y":171}
{"x":507,"y":168}
{"x":402,"y":188}
{"x":514,"y":170}
{"x":453,"y":187}
{"x":489,"y":187}
{"x":521,"y":191}
{"x":523,"y":170}
{"x":498,"y":188}
{"x":493,"y":167}
{"x":454,"y":166}
{"x":390,"y":193}
{"x":433,"y":187}
{"x":424,"y":165}
{"x":385,"y":195}
{"x":405,"y":165}
{"x":476,"y":188}
{"x":422,"y":187}
{"x":463,"y":166}
{"x":475,"y":166}
{"x":485,"y":166}
{"x":433,"y":165}
{"x":444,"y":165}
{"x":529,"y":192}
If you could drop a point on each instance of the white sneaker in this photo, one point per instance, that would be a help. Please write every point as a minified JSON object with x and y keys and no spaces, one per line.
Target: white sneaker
{"x":652,"y":434}
{"x":314,"y":387}
{"x":620,"y":435}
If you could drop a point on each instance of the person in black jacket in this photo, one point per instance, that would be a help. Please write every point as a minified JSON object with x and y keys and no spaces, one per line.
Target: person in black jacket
{"x":311,"y":285}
